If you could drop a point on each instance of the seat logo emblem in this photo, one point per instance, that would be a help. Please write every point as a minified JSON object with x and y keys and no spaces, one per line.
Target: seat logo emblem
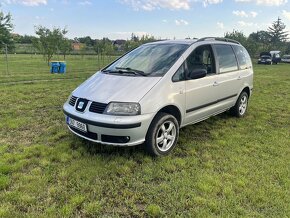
{"x":81,"y":105}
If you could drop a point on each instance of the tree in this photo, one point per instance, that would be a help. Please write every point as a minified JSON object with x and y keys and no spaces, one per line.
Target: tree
{"x":65,"y":47}
{"x":49,"y":41}
{"x":236,"y":35}
{"x":258,"y":42}
{"x":103,"y":46}
{"x":26,"y":39}
{"x":86,"y":40}
{"x":6,"y":27}
{"x":277,"y":32}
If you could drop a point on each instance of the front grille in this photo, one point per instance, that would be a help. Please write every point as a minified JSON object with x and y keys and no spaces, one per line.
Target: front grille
{"x":97,"y":107}
{"x":72,"y":101}
{"x":89,"y":135}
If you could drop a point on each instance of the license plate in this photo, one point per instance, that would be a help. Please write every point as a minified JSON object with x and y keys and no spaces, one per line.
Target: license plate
{"x":76,"y":124}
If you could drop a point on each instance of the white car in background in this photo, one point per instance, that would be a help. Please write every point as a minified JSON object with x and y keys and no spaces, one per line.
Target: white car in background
{"x":285,"y":59}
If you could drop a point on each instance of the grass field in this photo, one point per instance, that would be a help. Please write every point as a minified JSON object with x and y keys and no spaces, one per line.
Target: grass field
{"x":33,"y":67}
{"x":221,"y":167}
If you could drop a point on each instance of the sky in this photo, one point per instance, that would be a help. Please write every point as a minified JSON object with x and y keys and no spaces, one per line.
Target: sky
{"x":165,"y":19}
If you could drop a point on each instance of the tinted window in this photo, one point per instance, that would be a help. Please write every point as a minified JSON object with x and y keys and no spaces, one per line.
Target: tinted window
{"x":226,"y":58}
{"x":243,"y":57}
{"x":201,"y":59}
{"x":179,"y":75}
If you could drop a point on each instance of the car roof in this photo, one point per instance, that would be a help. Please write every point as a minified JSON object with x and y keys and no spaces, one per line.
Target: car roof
{"x":211,"y":40}
{"x":178,"y":41}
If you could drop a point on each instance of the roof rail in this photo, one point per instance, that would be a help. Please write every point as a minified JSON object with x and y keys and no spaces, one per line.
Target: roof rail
{"x":218,"y":39}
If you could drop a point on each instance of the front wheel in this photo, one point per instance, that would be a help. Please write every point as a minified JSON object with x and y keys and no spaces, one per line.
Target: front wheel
{"x":162,"y":135}
{"x":241,"y":106}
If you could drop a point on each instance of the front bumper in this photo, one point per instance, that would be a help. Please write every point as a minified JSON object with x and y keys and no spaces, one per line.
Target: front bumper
{"x":102,"y":128}
{"x":264,"y":62}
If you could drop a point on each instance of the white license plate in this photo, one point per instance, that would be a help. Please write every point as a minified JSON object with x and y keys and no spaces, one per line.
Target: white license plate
{"x":76,"y":124}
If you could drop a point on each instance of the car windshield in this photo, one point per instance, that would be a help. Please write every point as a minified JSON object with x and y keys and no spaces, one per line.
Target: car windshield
{"x":265,"y":56}
{"x":148,"y":60}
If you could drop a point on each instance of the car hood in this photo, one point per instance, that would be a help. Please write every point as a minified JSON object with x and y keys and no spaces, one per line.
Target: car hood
{"x":106,"y":88}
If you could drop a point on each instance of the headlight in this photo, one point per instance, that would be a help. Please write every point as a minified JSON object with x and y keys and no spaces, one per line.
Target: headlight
{"x":259,"y":59}
{"x":122,"y":109}
{"x":268,"y":59}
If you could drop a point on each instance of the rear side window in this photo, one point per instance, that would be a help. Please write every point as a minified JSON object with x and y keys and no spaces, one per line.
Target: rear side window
{"x":243,"y":57}
{"x":226,"y":58}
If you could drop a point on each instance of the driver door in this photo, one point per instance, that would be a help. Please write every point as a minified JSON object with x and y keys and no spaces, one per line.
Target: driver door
{"x":201,"y":93}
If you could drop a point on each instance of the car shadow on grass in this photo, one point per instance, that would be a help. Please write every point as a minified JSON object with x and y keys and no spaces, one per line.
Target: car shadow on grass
{"x":190,"y":135}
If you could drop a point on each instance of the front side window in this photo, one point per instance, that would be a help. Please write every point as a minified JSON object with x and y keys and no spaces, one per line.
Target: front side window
{"x":201,"y":59}
{"x":243,"y":57}
{"x":226,"y":58}
{"x":179,"y":75}
{"x":148,"y":60}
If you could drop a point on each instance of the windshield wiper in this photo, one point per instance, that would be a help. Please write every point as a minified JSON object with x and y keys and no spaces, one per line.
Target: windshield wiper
{"x":130,"y":70}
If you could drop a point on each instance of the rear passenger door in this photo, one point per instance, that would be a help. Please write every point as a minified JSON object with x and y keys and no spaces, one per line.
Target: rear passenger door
{"x":229,"y":82}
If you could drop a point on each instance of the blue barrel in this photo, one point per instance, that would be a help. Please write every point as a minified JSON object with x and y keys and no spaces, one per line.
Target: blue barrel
{"x":62,"y":67}
{"x":54,"y":67}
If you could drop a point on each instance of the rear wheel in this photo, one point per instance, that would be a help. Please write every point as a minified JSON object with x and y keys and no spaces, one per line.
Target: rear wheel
{"x":162,"y":135}
{"x":241,"y":106}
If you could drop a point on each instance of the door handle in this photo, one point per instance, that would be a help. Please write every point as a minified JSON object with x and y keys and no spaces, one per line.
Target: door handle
{"x":239,"y":78}
{"x":215,"y":83}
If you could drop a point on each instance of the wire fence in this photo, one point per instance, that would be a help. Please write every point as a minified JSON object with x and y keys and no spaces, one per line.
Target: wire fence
{"x":32,"y":67}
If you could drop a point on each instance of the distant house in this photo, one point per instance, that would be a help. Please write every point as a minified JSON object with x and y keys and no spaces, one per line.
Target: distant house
{"x":119,"y":44}
{"x":77,"y":46}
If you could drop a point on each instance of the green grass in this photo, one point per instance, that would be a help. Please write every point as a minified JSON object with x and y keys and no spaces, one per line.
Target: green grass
{"x":33,"y":67}
{"x":221,"y":167}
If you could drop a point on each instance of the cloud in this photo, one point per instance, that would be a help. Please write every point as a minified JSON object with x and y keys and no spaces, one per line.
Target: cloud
{"x":246,"y":24}
{"x":27,"y":2}
{"x":85,"y":3}
{"x":286,"y":14}
{"x":211,"y":2}
{"x":181,"y":22}
{"x":150,"y":5}
{"x":265,"y":2}
{"x":137,"y":33}
{"x":220,"y":25}
{"x":252,"y":14}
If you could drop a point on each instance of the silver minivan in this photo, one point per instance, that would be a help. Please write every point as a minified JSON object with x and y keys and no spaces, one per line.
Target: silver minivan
{"x":151,"y":92}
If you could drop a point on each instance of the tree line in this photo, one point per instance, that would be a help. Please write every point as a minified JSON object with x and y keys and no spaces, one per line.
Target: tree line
{"x":275,"y":38}
{"x":53,"y":41}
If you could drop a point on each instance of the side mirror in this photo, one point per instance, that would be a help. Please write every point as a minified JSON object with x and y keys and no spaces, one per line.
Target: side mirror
{"x":197,"y":74}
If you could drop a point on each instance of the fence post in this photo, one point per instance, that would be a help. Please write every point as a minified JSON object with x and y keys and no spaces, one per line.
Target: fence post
{"x":6,"y":55}
{"x":98,"y":60}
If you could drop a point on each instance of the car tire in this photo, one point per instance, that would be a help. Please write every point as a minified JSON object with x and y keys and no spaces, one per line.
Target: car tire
{"x":162,"y":135}
{"x":241,"y":106}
